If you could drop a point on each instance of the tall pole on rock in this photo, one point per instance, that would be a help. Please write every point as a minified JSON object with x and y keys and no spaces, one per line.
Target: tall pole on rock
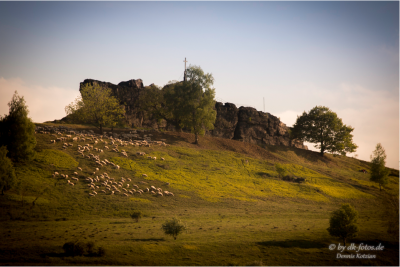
{"x":184,"y":76}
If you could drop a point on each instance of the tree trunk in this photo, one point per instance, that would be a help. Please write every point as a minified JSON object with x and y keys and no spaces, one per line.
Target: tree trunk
{"x":101,"y":129}
{"x":344,"y":241}
{"x":196,"y":138}
{"x":380,"y":189}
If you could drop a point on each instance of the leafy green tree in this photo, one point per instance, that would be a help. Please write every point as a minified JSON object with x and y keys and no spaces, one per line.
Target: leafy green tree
{"x":197,"y":108}
{"x":322,"y":126}
{"x":343,"y":222}
{"x":162,"y":104}
{"x":280,"y":169}
{"x":7,"y":173}
{"x":17,"y":131}
{"x":96,"y":106}
{"x":188,"y":104}
{"x":173,"y":227}
{"x":379,"y":173}
{"x":198,"y":101}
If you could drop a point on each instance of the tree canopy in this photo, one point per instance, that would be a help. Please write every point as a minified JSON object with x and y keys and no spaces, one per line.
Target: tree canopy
{"x":322,"y":126}
{"x":343,"y":222}
{"x":96,"y":106}
{"x":188,"y":104}
{"x":17,"y":131}
{"x":173,"y":227}
{"x":379,"y":173}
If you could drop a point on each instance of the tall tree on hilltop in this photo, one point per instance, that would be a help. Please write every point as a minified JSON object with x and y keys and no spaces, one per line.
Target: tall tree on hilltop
{"x":322,"y":126}
{"x":198,"y":101}
{"x":96,"y":106}
{"x":17,"y":131}
{"x":379,"y":173}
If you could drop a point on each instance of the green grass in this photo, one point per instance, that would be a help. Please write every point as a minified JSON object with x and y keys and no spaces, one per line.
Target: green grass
{"x":236,"y":209}
{"x":56,"y":158}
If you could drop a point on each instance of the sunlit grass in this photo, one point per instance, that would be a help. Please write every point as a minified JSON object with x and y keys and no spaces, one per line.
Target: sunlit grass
{"x":56,"y":158}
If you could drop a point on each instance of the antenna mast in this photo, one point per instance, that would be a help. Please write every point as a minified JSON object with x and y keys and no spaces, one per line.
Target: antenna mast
{"x":184,"y":77}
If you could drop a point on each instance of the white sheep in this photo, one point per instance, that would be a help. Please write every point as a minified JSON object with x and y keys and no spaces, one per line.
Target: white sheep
{"x":145,"y":175}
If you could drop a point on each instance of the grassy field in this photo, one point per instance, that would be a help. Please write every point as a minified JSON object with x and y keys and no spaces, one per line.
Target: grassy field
{"x":236,"y":209}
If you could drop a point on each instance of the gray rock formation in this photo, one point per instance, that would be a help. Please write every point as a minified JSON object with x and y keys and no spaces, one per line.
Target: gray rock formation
{"x":244,"y":123}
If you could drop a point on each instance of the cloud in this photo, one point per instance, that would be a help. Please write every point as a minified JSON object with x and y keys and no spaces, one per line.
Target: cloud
{"x":374,"y":115}
{"x":44,"y":103}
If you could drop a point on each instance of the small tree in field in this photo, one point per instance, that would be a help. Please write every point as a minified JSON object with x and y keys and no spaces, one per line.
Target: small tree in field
{"x":173,"y":227}
{"x":136,"y":215}
{"x":379,"y":173}
{"x":7,"y":173}
{"x":343,"y":223}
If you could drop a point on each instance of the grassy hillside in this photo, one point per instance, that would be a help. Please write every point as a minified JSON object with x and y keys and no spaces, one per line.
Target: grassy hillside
{"x":236,"y":208}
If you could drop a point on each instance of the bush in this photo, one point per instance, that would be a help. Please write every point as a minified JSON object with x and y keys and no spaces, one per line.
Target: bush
{"x":173,"y":227}
{"x":101,"y":252}
{"x":280,"y":169}
{"x":81,"y":248}
{"x":136,"y":215}
{"x":69,"y":248}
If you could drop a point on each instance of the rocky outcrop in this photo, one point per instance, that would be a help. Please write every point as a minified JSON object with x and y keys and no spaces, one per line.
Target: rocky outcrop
{"x":129,"y":94}
{"x":244,"y":123}
{"x":249,"y":125}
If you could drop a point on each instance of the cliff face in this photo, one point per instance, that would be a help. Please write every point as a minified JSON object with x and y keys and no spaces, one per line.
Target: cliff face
{"x":251,"y":126}
{"x":244,"y":123}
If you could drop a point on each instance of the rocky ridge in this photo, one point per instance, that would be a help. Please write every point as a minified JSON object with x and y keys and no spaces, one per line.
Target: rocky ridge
{"x":243,"y":123}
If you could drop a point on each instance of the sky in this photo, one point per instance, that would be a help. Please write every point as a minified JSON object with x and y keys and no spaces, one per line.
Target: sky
{"x":292,"y":56}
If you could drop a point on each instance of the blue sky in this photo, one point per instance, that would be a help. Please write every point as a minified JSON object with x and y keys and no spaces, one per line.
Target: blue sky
{"x":296,"y":55}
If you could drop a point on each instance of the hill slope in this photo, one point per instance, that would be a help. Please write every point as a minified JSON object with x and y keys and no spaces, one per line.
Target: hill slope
{"x":228,"y":187}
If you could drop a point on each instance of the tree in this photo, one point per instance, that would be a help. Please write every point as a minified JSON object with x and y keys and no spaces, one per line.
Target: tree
{"x":96,"y":106}
{"x":198,"y":101}
{"x":7,"y":173}
{"x":173,"y":227}
{"x":322,"y":126}
{"x":17,"y":131}
{"x":343,"y":222}
{"x":188,"y":104}
{"x":197,"y":108}
{"x":162,"y":104}
{"x":379,"y":173}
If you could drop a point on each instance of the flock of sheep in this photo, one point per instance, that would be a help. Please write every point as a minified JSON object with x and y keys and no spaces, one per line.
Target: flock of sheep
{"x":102,"y":182}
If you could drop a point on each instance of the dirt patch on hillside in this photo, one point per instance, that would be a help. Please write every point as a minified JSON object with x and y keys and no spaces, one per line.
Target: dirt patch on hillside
{"x":216,"y":143}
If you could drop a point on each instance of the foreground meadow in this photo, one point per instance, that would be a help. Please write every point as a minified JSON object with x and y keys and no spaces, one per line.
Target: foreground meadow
{"x":236,"y":209}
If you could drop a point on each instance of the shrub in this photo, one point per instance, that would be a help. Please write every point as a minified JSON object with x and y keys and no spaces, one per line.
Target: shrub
{"x":136,"y":215}
{"x":90,"y":247}
{"x":69,"y":248}
{"x":280,"y":169}
{"x":79,"y":248}
{"x":173,"y":227}
{"x":101,"y":252}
